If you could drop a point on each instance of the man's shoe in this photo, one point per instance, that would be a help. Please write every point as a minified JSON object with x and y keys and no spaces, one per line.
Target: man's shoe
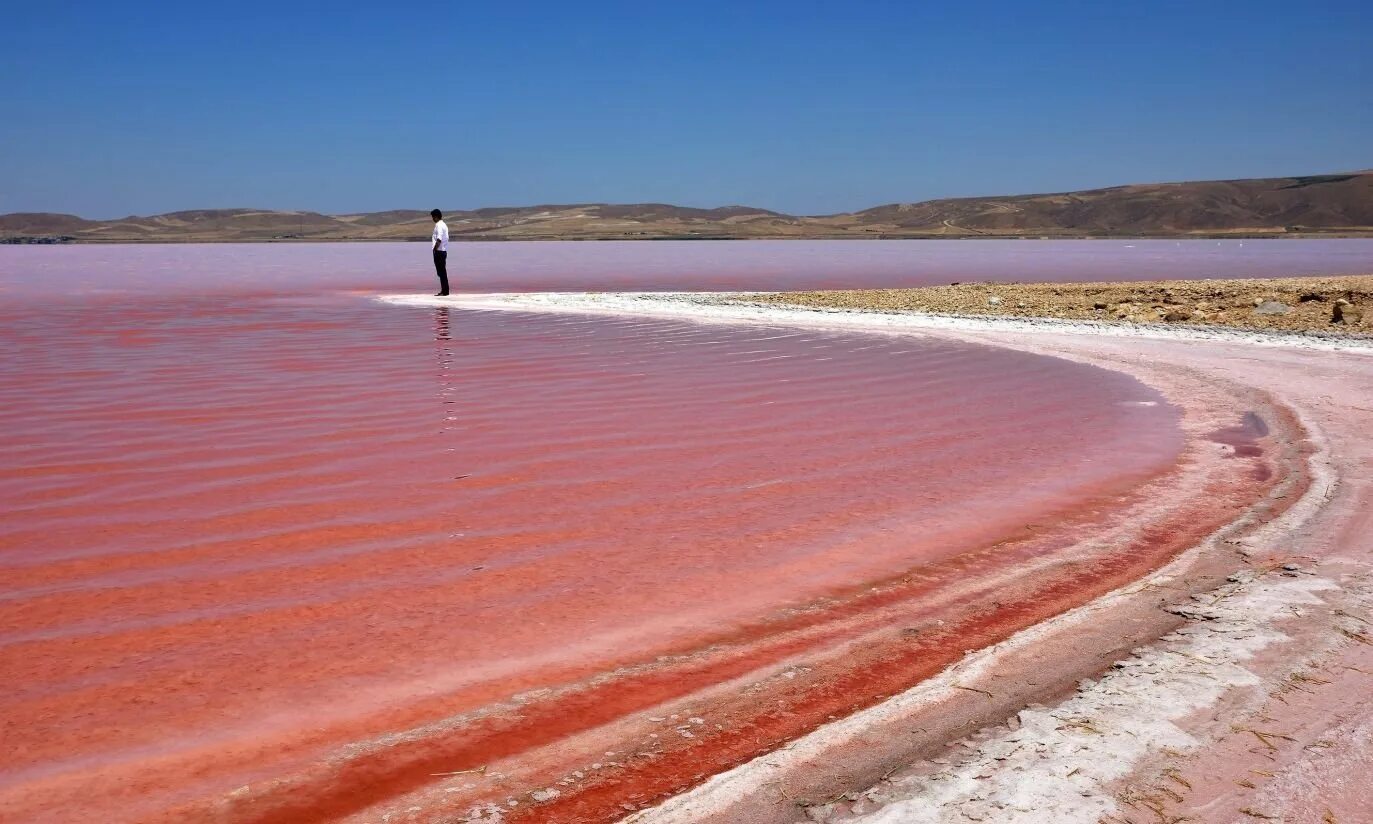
{"x":441,"y":295}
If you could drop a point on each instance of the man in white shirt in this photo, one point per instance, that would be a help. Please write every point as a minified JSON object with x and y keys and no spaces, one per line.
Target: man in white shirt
{"x":440,"y":239}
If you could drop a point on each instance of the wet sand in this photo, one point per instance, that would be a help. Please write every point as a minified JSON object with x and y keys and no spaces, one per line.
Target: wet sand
{"x":1231,"y":685}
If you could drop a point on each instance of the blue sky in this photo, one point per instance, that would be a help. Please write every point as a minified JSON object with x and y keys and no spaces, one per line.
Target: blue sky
{"x":110,"y":109}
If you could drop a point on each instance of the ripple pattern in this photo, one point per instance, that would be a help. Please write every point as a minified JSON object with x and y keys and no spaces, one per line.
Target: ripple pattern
{"x":243,"y":535}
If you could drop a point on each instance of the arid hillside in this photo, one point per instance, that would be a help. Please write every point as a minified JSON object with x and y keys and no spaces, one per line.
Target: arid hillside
{"x":1340,"y":204}
{"x":1318,"y":203}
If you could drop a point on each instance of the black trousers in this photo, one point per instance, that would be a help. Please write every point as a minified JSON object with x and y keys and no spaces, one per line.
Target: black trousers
{"x":441,"y":268}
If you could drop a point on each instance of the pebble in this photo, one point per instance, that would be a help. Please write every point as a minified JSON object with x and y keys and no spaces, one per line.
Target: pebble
{"x":1344,"y":312}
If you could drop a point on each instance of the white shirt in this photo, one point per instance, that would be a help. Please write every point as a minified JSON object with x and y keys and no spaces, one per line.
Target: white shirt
{"x":441,"y":235}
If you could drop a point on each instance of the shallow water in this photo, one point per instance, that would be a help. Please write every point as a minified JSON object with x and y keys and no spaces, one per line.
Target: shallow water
{"x":247,"y":529}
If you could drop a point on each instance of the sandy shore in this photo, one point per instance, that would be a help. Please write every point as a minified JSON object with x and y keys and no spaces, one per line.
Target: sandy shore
{"x":1331,"y":306}
{"x":1233,"y":684}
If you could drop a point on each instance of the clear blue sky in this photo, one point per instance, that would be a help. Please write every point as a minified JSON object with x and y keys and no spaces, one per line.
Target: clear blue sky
{"x":110,"y":109}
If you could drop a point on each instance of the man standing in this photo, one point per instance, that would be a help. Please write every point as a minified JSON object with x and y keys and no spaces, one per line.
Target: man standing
{"x":440,"y":239}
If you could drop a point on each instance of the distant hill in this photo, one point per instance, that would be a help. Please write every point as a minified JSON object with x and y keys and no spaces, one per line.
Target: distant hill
{"x":1320,"y":204}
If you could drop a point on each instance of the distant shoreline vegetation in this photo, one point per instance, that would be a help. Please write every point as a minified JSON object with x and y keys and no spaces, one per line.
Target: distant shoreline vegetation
{"x":29,"y":240}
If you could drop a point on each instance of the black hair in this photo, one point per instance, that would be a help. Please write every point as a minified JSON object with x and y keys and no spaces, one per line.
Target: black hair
{"x":436,"y":214}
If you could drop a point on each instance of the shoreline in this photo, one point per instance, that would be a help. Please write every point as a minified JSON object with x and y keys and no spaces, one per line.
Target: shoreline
{"x":750,"y":307}
{"x":65,"y":240}
{"x":741,"y":790}
{"x":1321,"y":306}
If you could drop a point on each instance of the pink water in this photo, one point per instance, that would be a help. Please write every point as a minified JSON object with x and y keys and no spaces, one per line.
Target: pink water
{"x":254,"y":525}
{"x":43,"y":271}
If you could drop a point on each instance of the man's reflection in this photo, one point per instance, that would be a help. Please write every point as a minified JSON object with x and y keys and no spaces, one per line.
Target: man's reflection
{"x":441,"y":323}
{"x":444,"y":348}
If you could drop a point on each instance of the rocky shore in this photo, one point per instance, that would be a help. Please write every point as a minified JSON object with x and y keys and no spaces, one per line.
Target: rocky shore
{"x":1339,"y":305}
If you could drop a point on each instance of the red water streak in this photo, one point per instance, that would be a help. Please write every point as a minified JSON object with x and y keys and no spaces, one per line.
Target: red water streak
{"x":244,"y":535}
{"x":883,"y":666}
{"x":887,"y":662}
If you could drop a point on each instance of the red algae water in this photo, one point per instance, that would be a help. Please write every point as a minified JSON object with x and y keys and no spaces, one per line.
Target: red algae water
{"x":265,"y":535}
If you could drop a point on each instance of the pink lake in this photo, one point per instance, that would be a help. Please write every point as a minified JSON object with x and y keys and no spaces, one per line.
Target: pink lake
{"x":257,"y":527}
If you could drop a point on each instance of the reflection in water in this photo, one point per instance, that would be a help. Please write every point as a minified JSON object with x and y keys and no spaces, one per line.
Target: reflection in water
{"x":447,"y":391}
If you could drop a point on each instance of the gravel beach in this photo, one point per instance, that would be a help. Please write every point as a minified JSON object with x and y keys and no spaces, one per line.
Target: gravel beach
{"x":1335,"y":305}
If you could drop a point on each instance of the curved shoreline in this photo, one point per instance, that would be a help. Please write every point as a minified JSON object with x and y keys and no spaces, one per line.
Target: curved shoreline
{"x":736,"y":307}
{"x":752,"y":690}
{"x":812,"y":776}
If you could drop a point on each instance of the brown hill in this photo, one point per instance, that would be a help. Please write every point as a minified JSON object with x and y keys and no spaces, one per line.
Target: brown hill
{"x":1321,"y":204}
{"x":41,"y":223}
